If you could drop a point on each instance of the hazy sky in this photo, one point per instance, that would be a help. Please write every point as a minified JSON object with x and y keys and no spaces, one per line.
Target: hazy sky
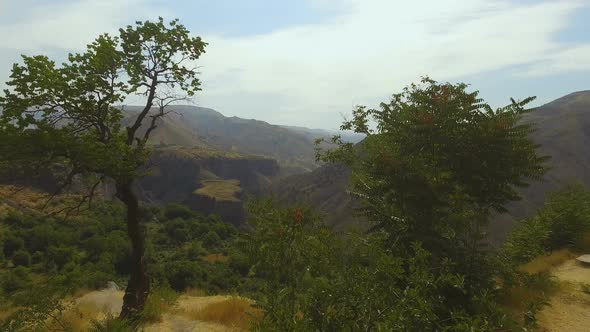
{"x":306,"y":62}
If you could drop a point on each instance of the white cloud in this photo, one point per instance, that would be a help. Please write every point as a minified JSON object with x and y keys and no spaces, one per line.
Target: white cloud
{"x":374,"y":49}
{"x":71,"y":25}
{"x":576,"y":58}
{"x":310,"y":74}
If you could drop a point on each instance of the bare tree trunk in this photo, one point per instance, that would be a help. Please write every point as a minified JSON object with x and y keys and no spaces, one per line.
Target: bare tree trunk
{"x":139,"y":282}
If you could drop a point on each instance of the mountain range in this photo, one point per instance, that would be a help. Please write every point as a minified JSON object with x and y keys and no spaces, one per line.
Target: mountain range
{"x":292,"y":147}
{"x":211,"y":162}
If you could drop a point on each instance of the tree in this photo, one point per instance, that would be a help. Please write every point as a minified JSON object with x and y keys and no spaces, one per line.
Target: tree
{"x":67,"y":115}
{"x":435,"y":163}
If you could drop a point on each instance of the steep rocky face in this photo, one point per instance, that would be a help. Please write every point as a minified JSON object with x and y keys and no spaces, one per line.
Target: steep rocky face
{"x":179,"y":174}
{"x":230,"y":211}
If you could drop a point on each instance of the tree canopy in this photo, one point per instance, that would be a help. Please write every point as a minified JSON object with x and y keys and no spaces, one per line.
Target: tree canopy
{"x":70,"y":115}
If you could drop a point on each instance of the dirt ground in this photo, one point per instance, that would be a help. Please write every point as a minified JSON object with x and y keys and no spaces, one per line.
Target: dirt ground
{"x":569,"y":309}
{"x":110,"y":301}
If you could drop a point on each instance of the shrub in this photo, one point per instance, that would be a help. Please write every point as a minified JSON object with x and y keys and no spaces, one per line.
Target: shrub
{"x":21,"y":258}
{"x":159,"y":300}
{"x":173,"y":211}
{"x":211,"y":239}
{"x":15,"y":279}
{"x":12,"y":244}
{"x":183,"y":274}
{"x":564,"y":222}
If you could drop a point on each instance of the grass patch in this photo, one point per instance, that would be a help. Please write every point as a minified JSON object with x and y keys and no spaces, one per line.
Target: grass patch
{"x":546,"y":263}
{"x":221,"y":190}
{"x":215,"y":258}
{"x":235,"y":312}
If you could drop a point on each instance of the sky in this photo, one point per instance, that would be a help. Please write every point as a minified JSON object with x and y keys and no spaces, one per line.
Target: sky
{"x":309,"y":62}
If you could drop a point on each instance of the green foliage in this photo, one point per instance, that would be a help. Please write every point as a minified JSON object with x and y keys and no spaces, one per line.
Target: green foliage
{"x":16,"y":279}
{"x":40,"y":309}
{"x":12,"y":244}
{"x":21,"y":258}
{"x":435,"y":163}
{"x":68,"y":117}
{"x":563,"y":222}
{"x":157,"y":302}
{"x":423,"y":173}
{"x":112,"y":323}
{"x":313,"y":280}
{"x":93,"y":249}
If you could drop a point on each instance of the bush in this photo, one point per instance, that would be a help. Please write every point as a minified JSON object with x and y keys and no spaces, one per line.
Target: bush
{"x":563,"y":222}
{"x":15,"y":279}
{"x":21,"y":258}
{"x":158,"y":301}
{"x":12,"y":244}
{"x":211,"y":239}
{"x":173,"y":211}
{"x":184,"y":274}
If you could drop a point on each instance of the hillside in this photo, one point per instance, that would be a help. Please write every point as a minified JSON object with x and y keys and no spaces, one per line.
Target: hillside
{"x":292,"y":147}
{"x":563,"y":133}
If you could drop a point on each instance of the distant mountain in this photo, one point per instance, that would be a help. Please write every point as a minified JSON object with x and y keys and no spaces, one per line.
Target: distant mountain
{"x":312,"y":134}
{"x":563,"y":132}
{"x":292,"y":147}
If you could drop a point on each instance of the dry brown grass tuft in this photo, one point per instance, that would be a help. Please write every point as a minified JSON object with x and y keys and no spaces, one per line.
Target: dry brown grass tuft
{"x":546,"y":263}
{"x":234,"y":312}
{"x":215,"y":258}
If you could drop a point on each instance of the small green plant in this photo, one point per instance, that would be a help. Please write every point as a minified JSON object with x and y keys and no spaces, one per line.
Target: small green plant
{"x":111,"y":324}
{"x":158,"y":301}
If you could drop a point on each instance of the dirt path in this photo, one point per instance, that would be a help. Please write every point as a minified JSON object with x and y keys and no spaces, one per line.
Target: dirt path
{"x":569,"y":309}
{"x":96,"y":304}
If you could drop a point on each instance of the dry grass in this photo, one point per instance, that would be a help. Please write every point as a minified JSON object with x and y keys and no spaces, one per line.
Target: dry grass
{"x":33,"y":201}
{"x":25,"y":197}
{"x":5,"y":312}
{"x":221,"y":190}
{"x":547,"y":263}
{"x":234,"y":312}
{"x":215,"y":258}
{"x":195,"y":292}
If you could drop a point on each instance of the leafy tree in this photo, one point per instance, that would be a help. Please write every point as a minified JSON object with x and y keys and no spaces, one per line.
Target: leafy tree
{"x":67,"y":115}
{"x":435,"y":162}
